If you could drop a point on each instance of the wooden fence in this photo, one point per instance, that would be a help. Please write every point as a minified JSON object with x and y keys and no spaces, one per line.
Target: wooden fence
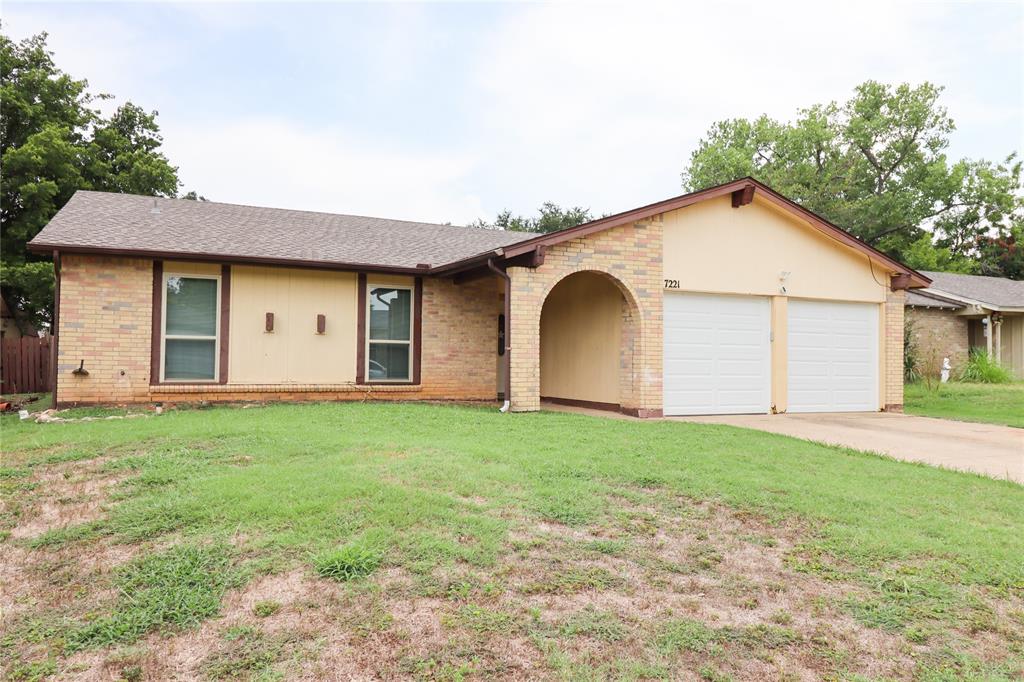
{"x":25,"y":365}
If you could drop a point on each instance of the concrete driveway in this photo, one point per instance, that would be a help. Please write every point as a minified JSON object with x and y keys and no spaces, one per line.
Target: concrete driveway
{"x":996,"y":451}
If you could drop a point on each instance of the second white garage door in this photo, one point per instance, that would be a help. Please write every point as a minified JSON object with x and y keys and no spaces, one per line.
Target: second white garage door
{"x":717,"y":354}
{"x":833,"y":356}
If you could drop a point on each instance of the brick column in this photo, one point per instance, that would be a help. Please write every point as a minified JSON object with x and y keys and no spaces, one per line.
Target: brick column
{"x":528,"y":293}
{"x":894,"y":302}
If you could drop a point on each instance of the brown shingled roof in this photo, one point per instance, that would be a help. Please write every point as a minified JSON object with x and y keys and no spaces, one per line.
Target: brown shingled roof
{"x":997,"y":291}
{"x":126,"y":223}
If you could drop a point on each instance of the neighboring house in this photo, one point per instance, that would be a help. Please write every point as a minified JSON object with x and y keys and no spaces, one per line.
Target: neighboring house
{"x":12,"y":327}
{"x":957,"y":313}
{"x":733,"y":299}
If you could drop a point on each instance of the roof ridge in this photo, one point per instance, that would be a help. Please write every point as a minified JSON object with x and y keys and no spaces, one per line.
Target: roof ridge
{"x":291,"y":210}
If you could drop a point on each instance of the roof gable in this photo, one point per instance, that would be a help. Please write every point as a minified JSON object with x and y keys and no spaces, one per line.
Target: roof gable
{"x":742,"y":192}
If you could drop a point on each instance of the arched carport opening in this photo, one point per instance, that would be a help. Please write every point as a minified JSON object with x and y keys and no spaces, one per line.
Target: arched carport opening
{"x":588,"y":331}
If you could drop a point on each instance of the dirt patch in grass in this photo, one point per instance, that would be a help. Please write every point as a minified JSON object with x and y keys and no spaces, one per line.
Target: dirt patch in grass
{"x":642,"y":583}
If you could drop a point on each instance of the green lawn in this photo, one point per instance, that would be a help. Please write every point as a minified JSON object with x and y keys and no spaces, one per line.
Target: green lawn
{"x":992,"y":403}
{"x":455,"y":542}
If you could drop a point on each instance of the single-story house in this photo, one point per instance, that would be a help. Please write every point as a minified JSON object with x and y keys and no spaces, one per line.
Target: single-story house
{"x":733,"y":299}
{"x":958,"y":313}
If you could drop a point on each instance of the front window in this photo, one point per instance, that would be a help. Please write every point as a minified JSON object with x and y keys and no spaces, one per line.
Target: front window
{"x":191,"y":305}
{"x":390,"y":334}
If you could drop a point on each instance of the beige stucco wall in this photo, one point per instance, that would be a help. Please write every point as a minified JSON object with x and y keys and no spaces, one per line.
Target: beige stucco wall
{"x":713,"y":247}
{"x":780,"y":354}
{"x":293,"y":352}
{"x":580,"y":339}
{"x":1012,"y":344}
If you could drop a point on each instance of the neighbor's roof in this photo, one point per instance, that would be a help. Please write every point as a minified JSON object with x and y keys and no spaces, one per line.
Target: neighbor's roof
{"x":922,"y":298}
{"x":103,"y":222}
{"x":996,"y":291}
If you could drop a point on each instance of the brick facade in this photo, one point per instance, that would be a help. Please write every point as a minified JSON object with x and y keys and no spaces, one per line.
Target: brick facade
{"x":893,"y":342}
{"x":630,"y":256}
{"x":938,"y":334}
{"x":460,"y":339}
{"x":105,"y":320}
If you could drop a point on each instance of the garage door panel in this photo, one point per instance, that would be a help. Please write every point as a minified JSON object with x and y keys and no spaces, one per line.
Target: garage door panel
{"x":833,"y":356}
{"x":717,"y":354}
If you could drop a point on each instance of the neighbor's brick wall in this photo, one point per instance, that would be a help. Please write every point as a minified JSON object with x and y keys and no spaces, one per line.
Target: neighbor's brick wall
{"x":938,"y":334}
{"x":894,"y":301}
{"x":631,"y":255}
{"x":460,"y":339}
{"x":105,"y":318}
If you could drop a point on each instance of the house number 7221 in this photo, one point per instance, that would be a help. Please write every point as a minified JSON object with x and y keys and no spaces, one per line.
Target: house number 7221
{"x":671,"y":283}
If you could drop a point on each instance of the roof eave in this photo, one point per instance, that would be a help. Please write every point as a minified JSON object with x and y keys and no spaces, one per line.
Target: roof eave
{"x":38,"y":247}
{"x":975,"y":302}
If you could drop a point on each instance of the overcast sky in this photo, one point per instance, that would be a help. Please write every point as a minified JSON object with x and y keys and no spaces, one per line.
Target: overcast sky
{"x":451,"y":112}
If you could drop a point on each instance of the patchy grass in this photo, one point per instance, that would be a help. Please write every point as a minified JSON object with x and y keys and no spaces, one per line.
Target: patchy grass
{"x":177,"y":588}
{"x":990,"y":403}
{"x":347,"y":563}
{"x":388,"y":540}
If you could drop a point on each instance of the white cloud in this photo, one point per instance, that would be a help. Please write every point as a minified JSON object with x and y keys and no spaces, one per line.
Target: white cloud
{"x":275,"y":163}
{"x":603,"y":104}
{"x":592,"y":104}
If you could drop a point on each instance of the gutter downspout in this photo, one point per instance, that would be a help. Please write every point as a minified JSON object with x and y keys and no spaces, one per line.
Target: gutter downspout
{"x":508,"y":332}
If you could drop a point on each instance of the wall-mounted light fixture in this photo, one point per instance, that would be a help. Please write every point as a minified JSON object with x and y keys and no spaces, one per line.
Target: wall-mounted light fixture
{"x":783,"y":277}
{"x":269,"y":325}
{"x":321,"y":324}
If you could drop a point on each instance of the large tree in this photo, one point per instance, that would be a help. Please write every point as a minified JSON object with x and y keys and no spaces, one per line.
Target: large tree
{"x":877,"y":166}
{"x":550,"y":218}
{"x":55,"y":142}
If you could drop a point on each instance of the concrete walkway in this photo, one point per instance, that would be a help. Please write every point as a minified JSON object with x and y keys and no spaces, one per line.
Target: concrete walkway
{"x":996,"y":451}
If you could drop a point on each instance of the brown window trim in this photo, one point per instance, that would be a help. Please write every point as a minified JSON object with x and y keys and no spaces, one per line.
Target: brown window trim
{"x":225,"y":319}
{"x":417,"y":336}
{"x":157,"y":331}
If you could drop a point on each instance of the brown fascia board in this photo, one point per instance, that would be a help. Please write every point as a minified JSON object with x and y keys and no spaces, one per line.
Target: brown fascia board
{"x":743,"y":185}
{"x":225,"y":258}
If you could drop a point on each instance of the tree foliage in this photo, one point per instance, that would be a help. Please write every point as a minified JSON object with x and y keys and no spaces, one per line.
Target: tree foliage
{"x":877,"y":166}
{"x":550,"y":218}
{"x":53,"y":143}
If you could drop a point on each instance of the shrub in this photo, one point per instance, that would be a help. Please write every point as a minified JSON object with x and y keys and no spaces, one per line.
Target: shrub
{"x":982,"y":368}
{"x":347,"y":563}
{"x":911,"y":361}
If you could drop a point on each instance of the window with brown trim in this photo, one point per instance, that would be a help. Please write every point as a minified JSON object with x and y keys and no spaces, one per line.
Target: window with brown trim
{"x":389,"y":333}
{"x":191,"y":327}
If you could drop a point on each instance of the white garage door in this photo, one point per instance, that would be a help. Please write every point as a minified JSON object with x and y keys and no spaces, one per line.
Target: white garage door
{"x":833,"y":356}
{"x":717,"y":354}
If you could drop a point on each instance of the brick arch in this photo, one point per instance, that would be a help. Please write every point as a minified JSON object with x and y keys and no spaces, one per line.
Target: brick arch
{"x":629,"y":256}
{"x":631,"y":334}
